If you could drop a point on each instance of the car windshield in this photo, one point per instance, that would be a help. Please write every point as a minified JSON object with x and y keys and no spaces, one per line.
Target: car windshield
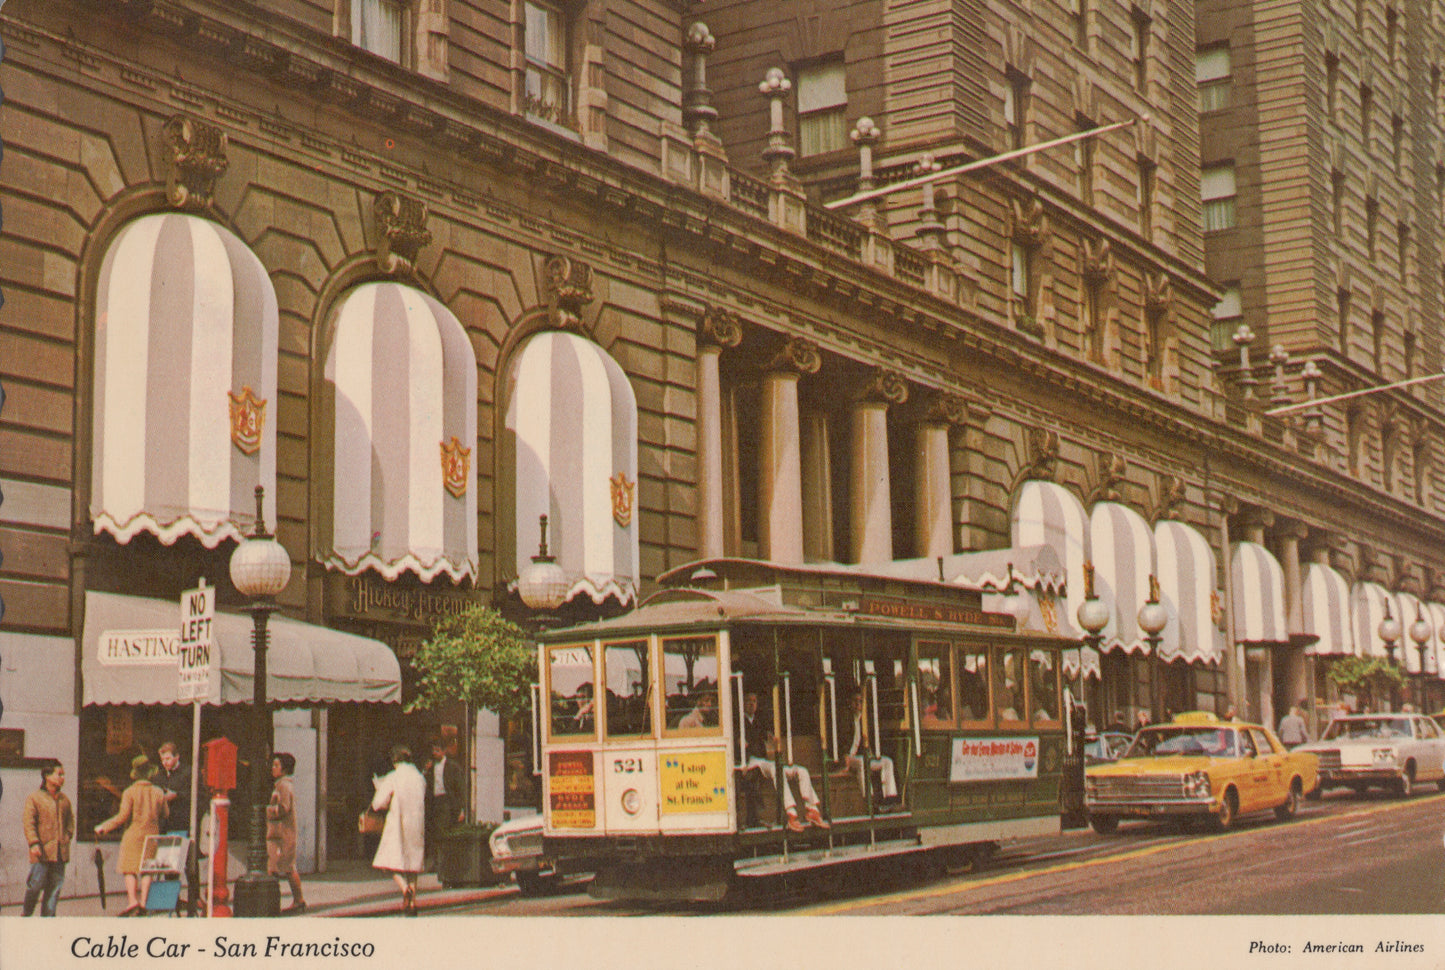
{"x":1161,"y":742}
{"x":1368,"y":727}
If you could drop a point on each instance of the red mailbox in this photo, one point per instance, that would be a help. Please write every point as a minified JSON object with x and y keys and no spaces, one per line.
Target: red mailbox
{"x":220,"y":765}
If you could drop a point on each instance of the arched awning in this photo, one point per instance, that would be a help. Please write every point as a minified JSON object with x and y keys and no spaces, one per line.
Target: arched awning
{"x":1435,"y":661}
{"x":400,"y":403}
{"x":1184,"y":562}
{"x":1409,"y":608}
{"x":574,"y":417}
{"x":1325,"y":603}
{"x":184,"y":417}
{"x":1048,"y":514}
{"x":1367,"y":609}
{"x":1257,"y":584}
{"x":1122,"y":547}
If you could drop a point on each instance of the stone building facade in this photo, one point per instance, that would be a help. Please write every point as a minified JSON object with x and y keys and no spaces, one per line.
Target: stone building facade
{"x":476,"y":263}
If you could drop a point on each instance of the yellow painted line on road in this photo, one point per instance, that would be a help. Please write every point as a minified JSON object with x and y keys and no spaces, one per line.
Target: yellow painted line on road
{"x":968,"y":885}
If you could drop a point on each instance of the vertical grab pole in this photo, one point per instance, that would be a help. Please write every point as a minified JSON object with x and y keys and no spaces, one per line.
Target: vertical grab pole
{"x":917,"y":718}
{"x":741,"y":741}
{"x":832,"y":683}
{"x":536,"y":729}
{"x":873,"y":692}
{"x":788,"y":712}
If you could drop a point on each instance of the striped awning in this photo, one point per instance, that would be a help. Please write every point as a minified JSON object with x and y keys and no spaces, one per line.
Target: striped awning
{"x":1185,"y":564}
{"x":184,"y":417}
{"x":1048,"y":514}
{"x":1122,"y":546}
{"x":1435,"y":660}
{"x":1367,"y":609}
{"x":1325,"y":603}
{"x":400,"y":399}
{"x":573,"y":416}
{"x":1257,"y":584}
{"x":1409,"y":609}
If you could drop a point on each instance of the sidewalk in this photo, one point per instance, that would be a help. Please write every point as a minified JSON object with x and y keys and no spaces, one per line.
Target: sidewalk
{"x":348,"y":889}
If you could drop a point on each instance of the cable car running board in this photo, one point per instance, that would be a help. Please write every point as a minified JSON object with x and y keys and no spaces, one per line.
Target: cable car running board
{"x":801,"y":860}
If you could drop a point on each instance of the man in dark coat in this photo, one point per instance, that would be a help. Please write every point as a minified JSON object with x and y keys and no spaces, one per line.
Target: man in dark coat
{"x":445,"y":795}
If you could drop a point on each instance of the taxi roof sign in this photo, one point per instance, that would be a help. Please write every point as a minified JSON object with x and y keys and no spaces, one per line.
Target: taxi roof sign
{"x":1196,"y":717}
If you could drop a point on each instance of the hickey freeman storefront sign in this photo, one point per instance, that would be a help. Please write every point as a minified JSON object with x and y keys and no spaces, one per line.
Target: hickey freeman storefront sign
{"x":137,"y":648}
{"x":363,"y":598}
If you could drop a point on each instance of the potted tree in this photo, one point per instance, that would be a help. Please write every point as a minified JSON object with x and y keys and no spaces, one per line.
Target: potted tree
{"x":482,"y":659}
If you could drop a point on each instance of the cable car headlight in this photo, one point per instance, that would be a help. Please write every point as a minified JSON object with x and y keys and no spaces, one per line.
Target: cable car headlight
{"x":1196,"y":784}
{"x":631,"y":801}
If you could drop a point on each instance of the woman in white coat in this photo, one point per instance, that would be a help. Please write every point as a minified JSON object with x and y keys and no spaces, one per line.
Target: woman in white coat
{"x":402,"y":795}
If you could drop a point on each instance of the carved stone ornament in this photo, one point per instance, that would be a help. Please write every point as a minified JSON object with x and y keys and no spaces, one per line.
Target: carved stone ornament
{"x":720,"y":327}
{"x":797,"y":354}
{"x":1030,"y":221}
{"x":945,"y":408}
{"x":456,"y":461}
{"x":248,"y":420}
{"x":1043,"y":446}
{"x":567,"y":288}
{"x":1098,"y":261}
{"x":196,"y":157}
{"x":1158,"y":293}
{"x":885,"y":386}
{"x":401,"y":231}
{"x":1111,"y":474}
{"x":1171,"y":495}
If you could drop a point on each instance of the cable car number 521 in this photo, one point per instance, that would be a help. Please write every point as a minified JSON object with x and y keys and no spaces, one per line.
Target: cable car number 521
{"x":626,"y":766}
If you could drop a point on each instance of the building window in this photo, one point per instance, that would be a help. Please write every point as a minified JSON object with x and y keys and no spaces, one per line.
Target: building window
{"x":1389,"y":456}
{"x":1337,"y":199}
{"x":1212,"y":72}
{"x":1020,"y":273}
{"x":1367,"y":103}
{"x":1084,"y":161}
{"x":1217,"y":189}
{"x":378,"y":26}
{"x":822,"y":108}
{"x":1372,"y":225}
{"x":1392,"y":32}
{"x":1091,"y":318}
{"x":1228,"y":313}
{"x":1410,"y":345}
{"x":1079,"y":13}
{"x":1355,"y":440}
{"x":1342,"y":310}
{"x":1402,"y":244}
{"x":1377,"y":331}
{"x":1147,"y":177}
{"x":1397,"y":140}
{"x":1332,"y":84}
{"x":1139,"y":48}
{"x":1422,"y":473}
{"x":1016,"y":107}
{"x":547,"y":85}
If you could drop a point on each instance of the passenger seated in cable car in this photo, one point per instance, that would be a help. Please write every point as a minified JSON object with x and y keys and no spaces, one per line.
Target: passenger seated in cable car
{"x":703,"y":713}
{"x":761,"y":748}
{"x":858,"y":760}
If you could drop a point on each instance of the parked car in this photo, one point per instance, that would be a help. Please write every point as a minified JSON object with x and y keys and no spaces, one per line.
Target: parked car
{"x":517,"y":850}
{"x":1105,"y":746}
{"x":1392,"y":751}
{"x":1198,"y":767}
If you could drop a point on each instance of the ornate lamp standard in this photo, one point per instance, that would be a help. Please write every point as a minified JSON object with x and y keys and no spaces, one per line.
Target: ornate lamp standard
{"x":543,"y":585}
{"x":1390,"y":632}
{"x":1152,"y":618}
{"x":1420,"y":633}
{"x":260,"y":568}
{"x":1093,"y":617}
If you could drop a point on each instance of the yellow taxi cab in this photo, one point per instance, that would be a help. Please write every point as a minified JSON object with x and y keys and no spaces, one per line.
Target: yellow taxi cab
{"x":1201,"y":767}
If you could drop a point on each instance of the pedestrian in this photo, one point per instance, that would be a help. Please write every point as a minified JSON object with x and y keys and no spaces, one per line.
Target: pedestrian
{"x":402,"y":795}
{"x":174,"y":779}
{"x":445,"y":806}
{"x":1119,"y":724}
{"x":1293,"y":731}
{"x":49,"y":822}
{"x":143,"y":806}
{"x":1230,"y":714}
{"x":1141,"y":720}
{"x":281,"y":830}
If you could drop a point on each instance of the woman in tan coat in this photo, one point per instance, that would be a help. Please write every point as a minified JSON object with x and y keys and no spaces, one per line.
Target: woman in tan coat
{"x":281,"y":830}
{"x":143,"y":805}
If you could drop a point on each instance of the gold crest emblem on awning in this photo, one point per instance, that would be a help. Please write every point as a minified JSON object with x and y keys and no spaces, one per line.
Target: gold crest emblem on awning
{"x":623,"y":495}
{"x":456,"y":460}
{"x":248,"y":420}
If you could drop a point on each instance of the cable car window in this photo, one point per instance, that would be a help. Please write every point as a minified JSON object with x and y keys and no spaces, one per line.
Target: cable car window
{"x":690,"y":685}
{"x":1008,"y":689}
{"x":1044,"y":687}
{"x":629,"y":689}
{"x":570,"y":690}
{"x":973,"y":684}
{"x":935,"y":684}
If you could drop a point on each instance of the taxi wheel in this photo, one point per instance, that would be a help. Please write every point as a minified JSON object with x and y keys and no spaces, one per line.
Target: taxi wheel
{"x":1315,"y":793}
{"x":535,"y":884}
{"x":1291,"y":803}
{"x":1405,"y":784}
{"x":1104,"y":824}
{"x":1228,"y":808}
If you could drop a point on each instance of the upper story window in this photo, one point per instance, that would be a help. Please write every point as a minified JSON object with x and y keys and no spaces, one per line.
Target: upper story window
{"x":1084,"y":160}
{"x":1139,"y":48}
{"x":1016,"y":107}
{"x":378,"y":26}
{"x":822,"y":108}
{"x":1079,"y":12}
{"x":1332,"y":83}
{"x":1212,"y":72}
{"x":1228,"y":313}
{"x":548,"y":80}
{"x":1148,"y":175}
{"x":1392,"y":32}
{"x":1217,"y":189}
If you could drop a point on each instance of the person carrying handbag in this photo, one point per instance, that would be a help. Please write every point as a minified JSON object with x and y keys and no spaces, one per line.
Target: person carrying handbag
{"x":402,"y":795}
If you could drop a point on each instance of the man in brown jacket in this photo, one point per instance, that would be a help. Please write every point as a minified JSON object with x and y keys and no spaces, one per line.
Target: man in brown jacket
{"x":49,"y":829}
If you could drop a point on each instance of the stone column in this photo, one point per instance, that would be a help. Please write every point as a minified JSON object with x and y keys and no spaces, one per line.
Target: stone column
{"x":1295,"y":674}
{"x":719,"y":329}
{"x":933,"y":523}
{"x":870,"y":509}
{"x":817,"y":488}
{"x":780,"y":486}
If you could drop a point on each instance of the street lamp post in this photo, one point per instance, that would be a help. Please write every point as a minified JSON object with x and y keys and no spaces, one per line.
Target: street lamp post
{"x":1152,"y":618}
{"x":1093,"y":617}
{"x":260,"y":568}
{"x":543,"y":585}
{"x":1420,"y":633}
{"x":1390,"y":633}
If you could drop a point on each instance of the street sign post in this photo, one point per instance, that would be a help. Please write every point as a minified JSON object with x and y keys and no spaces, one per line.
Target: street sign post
{"x":198,"y":621}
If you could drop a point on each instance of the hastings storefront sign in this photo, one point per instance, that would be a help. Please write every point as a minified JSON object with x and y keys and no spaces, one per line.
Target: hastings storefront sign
{"x":139,"y":648}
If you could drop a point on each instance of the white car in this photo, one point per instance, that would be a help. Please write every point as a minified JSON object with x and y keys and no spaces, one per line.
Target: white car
{"x":517,"y":848}
{"x":1392,"y":751}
